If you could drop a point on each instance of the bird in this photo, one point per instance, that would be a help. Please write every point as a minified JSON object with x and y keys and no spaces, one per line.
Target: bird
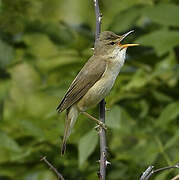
{"x":94,"y":81}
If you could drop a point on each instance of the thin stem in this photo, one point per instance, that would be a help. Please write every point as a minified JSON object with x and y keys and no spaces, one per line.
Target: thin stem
{"x":59,"y":175}
{"x":102,"y":133}
{"x":176,"y":177}
{"x":150,"y":171}
{"x":98,"y":20}
{"x":165,"y":168}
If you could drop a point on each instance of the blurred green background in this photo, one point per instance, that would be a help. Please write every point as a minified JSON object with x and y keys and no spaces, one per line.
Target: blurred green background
{"x":43,"y":45}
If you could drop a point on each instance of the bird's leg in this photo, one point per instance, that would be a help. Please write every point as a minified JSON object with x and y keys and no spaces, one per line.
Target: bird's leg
{"x":101,"y":124}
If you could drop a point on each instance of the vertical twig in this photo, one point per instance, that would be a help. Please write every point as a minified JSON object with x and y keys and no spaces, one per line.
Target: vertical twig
{"x":102,"y":133}
{"x":98,"y":20}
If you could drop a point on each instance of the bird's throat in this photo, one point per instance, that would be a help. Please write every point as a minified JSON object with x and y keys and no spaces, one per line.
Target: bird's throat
{"x":118,"y":56}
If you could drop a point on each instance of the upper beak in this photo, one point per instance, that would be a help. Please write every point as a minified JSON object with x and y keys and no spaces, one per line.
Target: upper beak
{"x":123,"y":37}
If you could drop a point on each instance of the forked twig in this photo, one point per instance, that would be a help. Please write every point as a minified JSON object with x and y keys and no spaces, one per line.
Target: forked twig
{"x":59,"y":175}
{"x":150,"y":171}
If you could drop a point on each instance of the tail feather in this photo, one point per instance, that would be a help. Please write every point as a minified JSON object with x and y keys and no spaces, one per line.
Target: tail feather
{"x":72,"y":114}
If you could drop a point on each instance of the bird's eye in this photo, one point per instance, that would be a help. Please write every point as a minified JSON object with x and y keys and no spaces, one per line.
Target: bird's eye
{"x":112,"y":43}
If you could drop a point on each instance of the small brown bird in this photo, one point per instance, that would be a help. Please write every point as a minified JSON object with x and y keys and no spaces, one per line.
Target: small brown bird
{"x":95,"y":79}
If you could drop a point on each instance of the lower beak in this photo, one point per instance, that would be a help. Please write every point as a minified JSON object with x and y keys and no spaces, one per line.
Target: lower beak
{"x":127,"y":45}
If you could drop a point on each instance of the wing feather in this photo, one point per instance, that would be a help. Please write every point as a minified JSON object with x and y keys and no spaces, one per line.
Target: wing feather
{"x":83,"y":81}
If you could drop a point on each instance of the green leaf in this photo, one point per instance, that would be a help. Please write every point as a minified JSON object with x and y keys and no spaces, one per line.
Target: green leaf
{"x":113,"y":118}
{"x":162,"y":175}
{"x":40,"y":175}
{"x":162,"y":40}
{"x":6,"y":54}
{"x":87,"y":145}
{"x":160,"y":96}
{"x":125,"y":19}
{"x":4,"y":88}
{"x":8,"y":143}
{"x":165,"y":14}
{"x":43,"y":48}
{"x":144,"y":108}
{"x":173,"y":141}
{"x":116,"y":117}
{"x":1,"y":109}
{"x":167,"y":63}
{"x":9,"y":149}
{"x":169,"y":113}
{"x":31,"y":129}
{"x":138,"y":80}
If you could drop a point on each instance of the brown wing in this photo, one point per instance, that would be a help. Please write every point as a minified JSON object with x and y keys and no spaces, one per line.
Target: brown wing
{"x":85,"y":79}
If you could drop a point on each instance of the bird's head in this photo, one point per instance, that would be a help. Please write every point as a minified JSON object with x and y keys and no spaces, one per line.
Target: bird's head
{"x":109,"y":44}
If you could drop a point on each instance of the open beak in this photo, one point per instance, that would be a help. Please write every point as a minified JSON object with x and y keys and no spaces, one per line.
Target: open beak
{"x":123,"y":37}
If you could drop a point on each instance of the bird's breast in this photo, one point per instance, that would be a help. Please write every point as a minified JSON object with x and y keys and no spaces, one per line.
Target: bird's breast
{"x":101,"y":88}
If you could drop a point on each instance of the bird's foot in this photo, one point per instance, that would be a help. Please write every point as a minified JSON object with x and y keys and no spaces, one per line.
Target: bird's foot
{"x":101,"y":125}
{"x":107,"y":109}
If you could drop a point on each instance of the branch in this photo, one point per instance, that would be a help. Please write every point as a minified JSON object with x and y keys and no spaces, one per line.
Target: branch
{"x":150,"y":171}
{"x":176,"y":177}
{"x":98,"y":20}
{"x":60,"y":177}
{"x":102,"y":133}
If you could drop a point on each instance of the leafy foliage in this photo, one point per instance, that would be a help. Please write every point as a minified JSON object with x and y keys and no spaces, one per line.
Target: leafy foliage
{"x":43,"y":44}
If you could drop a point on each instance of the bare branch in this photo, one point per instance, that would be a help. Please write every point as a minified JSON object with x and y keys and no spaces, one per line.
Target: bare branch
{"x":98,"y":19}
{"x":176,"y":177}
{"x":102,"y":133}
{"x":59,"y":175}
{"x":150,"y":171}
